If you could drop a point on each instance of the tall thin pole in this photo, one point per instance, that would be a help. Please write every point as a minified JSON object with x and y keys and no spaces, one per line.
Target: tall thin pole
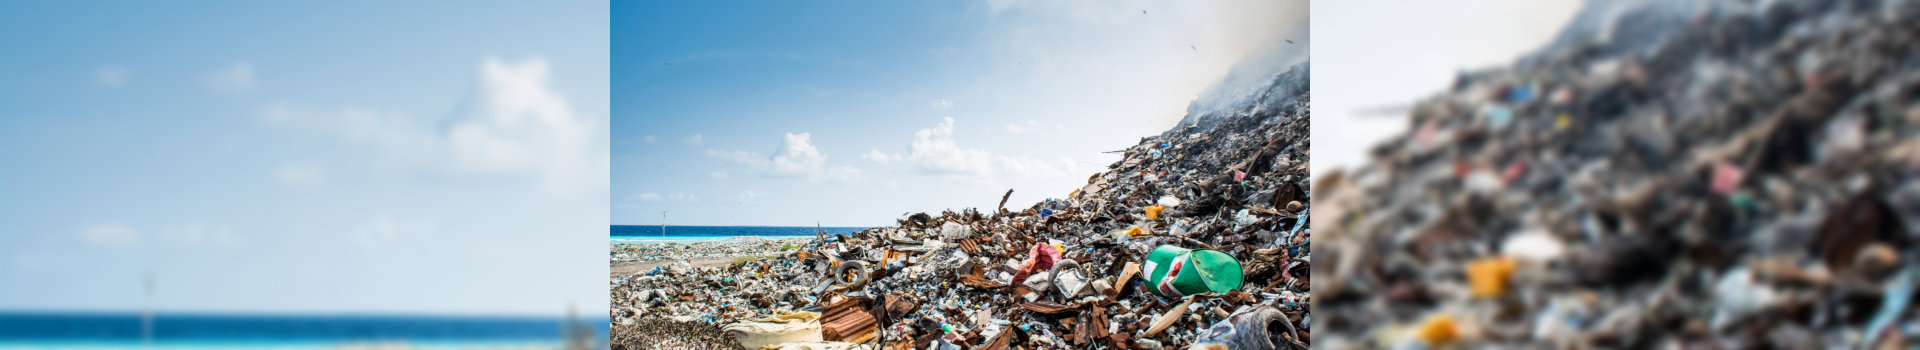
{"x":663,"y":224}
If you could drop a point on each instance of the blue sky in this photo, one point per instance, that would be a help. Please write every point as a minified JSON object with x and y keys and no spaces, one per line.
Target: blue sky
{"x":853,"y":113}
{"x":320,"y":156}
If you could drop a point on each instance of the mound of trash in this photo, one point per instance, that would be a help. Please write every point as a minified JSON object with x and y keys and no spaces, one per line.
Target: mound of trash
{"x":1197,"y":238}
{"x":664,"y":334}
{"x":1742,"y":178}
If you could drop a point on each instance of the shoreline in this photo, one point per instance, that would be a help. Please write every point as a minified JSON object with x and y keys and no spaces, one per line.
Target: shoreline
{"x":627,"y":259}
{"x":629,"y":268}
{"x":729,"y":248}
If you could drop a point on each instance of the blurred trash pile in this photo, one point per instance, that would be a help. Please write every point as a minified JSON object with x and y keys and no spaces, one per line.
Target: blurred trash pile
{"x":1197,"y":238}
{"x":1740,"y":178}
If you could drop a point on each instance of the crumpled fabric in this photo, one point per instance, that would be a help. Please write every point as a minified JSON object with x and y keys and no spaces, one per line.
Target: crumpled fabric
{"x":776,"y":329}
{"x":1039,"y":259}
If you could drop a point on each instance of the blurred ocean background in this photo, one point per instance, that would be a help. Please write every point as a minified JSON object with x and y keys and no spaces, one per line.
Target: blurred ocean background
{"x":650,"y":234}
{"x":311,"y":174}
{"x":125,"y":330}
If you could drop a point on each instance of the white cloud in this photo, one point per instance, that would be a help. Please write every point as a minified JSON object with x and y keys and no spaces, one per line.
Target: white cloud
{"x":526,"y":126}
{"x":650,"y":197}
{"x":879,"y":157}
{"x":933,"y":151}
{"x":721,"y":175}
{"x":110,"y":235}
{"x":751,"y":195}
{"x":110,"y":76}
{"x":941,"y":104}
{"x":519,"y":126}
{"x":796,"y":158}
{"x":235,"y":78}
{"x":383,"y":232}
{"x":651,"y":139}
{"x":304,"y":176}
{"x":1154,"y":64}
{"x":694,"y":140}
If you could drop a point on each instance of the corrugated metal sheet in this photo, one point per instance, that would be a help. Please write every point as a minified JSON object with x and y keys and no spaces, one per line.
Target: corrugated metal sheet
{"x":848,"y":321}
{"x":970,"y":245}
{"x":901,"y":305}
{"x":1048,"y":308}
{"x":891,"y":256}
{"x":980,"y":282}
{"x":1000,"y":341}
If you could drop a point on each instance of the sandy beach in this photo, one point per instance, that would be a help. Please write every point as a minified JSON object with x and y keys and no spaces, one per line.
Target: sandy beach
{"x":630,"y":268}
{"x":629,"y":259}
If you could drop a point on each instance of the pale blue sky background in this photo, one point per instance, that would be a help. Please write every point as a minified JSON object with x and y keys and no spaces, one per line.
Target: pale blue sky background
{"x":853,"y":113}
{"x":317,"y":156}
{"x":1386,"y":60}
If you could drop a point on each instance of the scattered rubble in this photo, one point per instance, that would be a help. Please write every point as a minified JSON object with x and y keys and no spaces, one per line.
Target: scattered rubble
{"x":734,"y":247}
{"x":1069,"y":272}
{"x":1737,"y":175}
{"x":665,"y":334}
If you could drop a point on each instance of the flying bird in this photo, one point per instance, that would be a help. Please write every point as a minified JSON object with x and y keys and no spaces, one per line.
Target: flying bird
{"x":1289,"y":41}
{"x":1194,"y":48}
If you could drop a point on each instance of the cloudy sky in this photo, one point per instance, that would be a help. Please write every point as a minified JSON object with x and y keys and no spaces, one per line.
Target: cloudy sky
{"x":758,"y":113}
{"x":318,"y":156}
{"x":1381,"y":60}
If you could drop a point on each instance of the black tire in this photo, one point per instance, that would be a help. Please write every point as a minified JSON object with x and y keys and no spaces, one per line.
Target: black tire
{"x":860,"y":277}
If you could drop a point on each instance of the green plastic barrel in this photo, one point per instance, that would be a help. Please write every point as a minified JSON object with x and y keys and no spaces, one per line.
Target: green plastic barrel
{"x":1175,"y":272}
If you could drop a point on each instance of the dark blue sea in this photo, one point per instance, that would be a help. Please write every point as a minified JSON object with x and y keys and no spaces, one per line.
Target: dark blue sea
{"x":51,"y":330}
{"x":642,"y":234}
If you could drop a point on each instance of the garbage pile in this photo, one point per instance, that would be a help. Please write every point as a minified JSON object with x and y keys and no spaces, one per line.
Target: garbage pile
{"x":682,"y":292}
{"x":628,"y":252}
{"x":1743,"y":180}
{"x":665,"y":334}
{"x":1197,"y":238}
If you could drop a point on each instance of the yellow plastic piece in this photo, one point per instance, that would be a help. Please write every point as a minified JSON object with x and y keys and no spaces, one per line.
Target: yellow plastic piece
{"x":1488,"y":277}
{"x":1153,"y":212}
{"x":1133,"y":231}
{"x":1438,"y":332}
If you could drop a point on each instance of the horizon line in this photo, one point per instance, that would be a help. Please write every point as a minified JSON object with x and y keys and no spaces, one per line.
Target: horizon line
{"x":264,"y":313}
